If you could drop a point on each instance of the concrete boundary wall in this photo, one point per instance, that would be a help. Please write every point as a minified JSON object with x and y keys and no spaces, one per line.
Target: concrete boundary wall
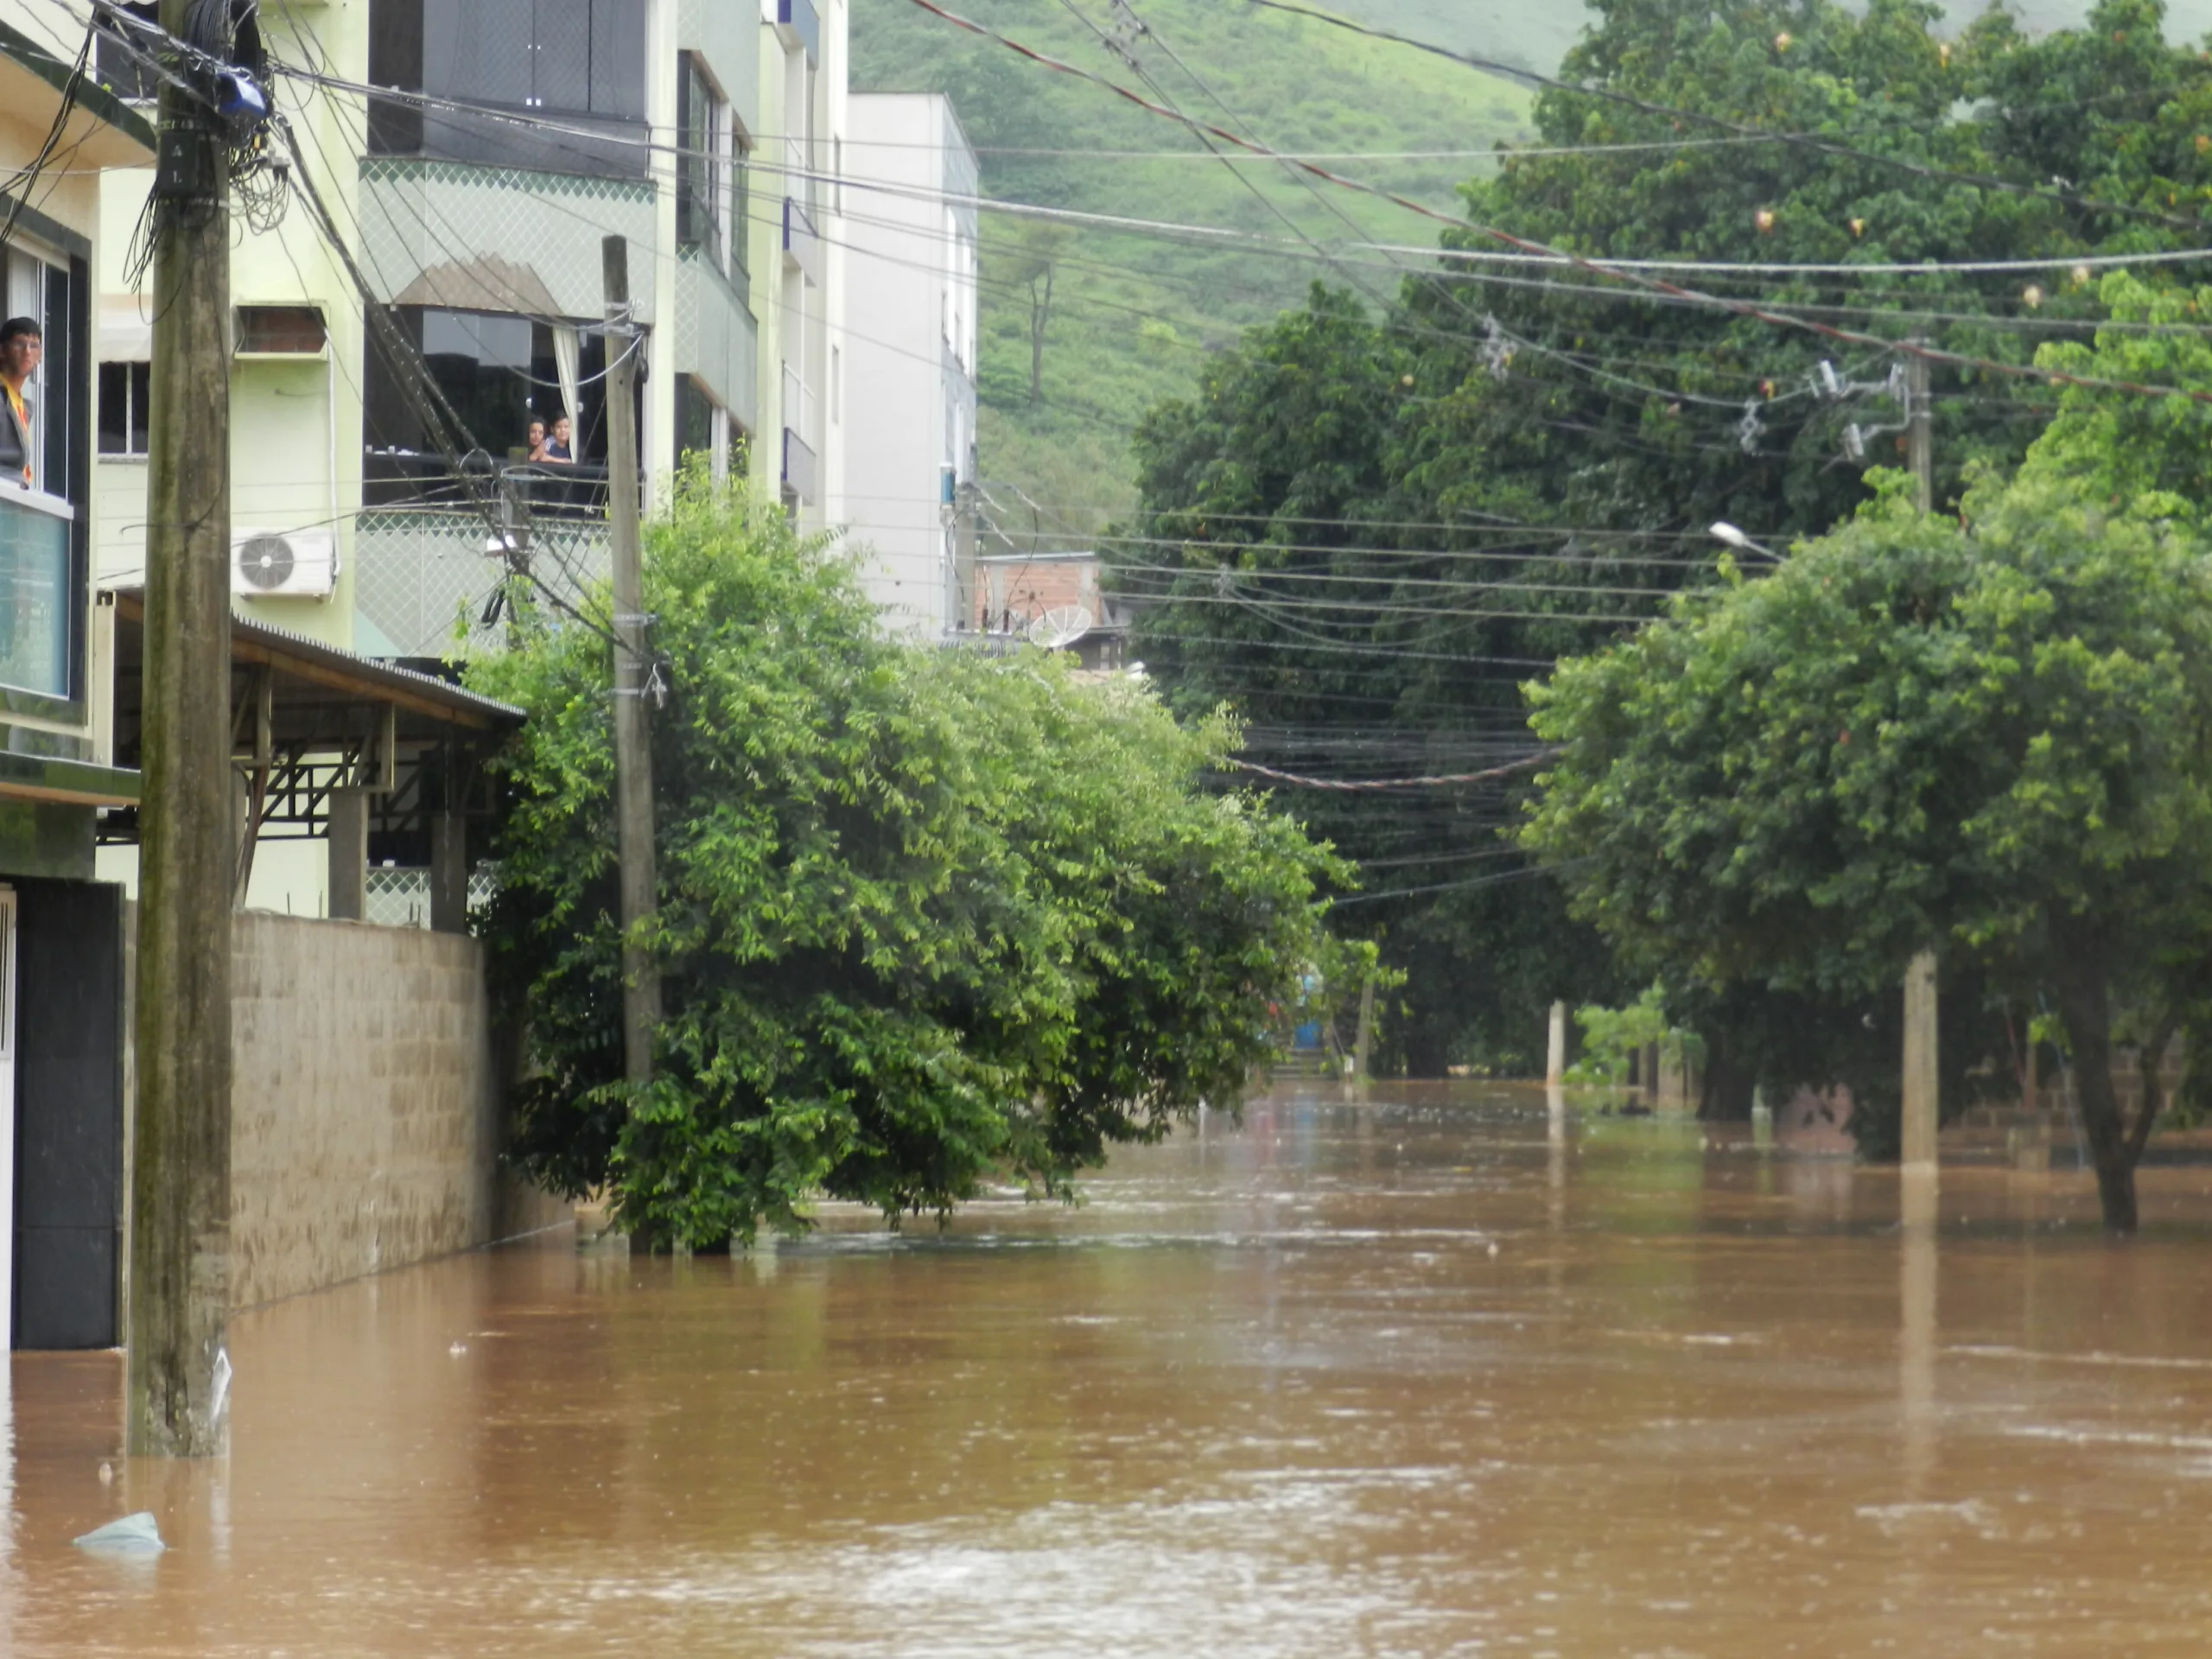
{"x":365,"y":1105}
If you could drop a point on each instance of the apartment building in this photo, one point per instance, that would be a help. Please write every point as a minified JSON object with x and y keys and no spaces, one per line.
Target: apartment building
{"x":798,"y":233}
{"x":61,"y":944}
{"x":907,"y":341}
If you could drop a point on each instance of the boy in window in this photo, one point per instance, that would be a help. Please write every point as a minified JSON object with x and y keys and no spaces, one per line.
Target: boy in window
{"x":21,"y":345}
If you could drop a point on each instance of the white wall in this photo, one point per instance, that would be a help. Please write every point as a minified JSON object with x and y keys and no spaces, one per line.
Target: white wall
{"x":907,"y":341}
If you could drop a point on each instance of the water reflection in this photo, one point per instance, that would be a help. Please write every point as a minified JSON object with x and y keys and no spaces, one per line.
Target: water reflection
{"x":1426,"y":1371}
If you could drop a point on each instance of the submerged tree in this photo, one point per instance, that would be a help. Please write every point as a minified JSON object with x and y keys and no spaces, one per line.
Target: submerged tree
{"x":927,"y":920}
{"x":1989,"y":740}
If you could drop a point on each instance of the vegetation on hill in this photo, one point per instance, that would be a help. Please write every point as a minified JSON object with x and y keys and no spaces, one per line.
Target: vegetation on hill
{"x":1133,"y":316}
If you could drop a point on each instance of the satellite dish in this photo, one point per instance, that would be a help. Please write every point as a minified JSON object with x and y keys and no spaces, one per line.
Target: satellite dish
{"x":1060,"y":627}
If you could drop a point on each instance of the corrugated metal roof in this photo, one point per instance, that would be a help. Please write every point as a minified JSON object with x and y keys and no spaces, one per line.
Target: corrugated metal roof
{"x":345,"y":669}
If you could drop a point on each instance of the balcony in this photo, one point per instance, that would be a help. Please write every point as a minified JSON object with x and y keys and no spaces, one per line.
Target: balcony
{"x":802,"y":244}
{"x":798,"y":24}
{"x":412,"y":478}
{"x":800,"y":468}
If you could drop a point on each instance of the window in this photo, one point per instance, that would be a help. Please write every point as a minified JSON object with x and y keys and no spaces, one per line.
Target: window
{"x":694,"y":418}
{"x":121,"y":63}
{"x":498,"y":372}
{"x":582,"y":60}
{"x":281,"y":331}
{"x":42,"y":531}
{"x":124,"y":389}
{"x":579,"y":57}
{"x":740,"y":205}
{"x":703,"y":127}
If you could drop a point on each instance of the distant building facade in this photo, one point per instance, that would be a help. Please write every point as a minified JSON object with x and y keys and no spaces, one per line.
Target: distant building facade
{"x":908,"y":343}
{"x":61,"y":930}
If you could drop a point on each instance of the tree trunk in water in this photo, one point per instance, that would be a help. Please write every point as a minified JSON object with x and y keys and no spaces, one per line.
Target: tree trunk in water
{"x":2082,"y":1000}
{"x":1725,"y":1096}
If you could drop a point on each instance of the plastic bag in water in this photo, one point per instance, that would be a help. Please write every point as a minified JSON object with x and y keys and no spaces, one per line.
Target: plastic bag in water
{"x":135,"y":1534}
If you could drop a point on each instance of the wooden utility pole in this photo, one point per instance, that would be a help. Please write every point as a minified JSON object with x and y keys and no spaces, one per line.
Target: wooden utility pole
{"x":633,"y":759}
{"x":1921,"y":1057}
{"x":179,"y":1370}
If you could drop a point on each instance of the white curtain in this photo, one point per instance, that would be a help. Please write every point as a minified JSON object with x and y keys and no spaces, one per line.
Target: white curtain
{"x":566,"y":353}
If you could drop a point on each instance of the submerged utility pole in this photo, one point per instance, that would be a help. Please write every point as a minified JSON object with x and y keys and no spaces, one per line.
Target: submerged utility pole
{"x":1920,"y":1058}
{"x":633,"y":758}
{"x":178,"y":1370}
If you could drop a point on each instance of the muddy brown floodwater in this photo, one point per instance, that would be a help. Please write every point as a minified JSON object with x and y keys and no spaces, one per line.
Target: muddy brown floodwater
{"x":1432,"y":1374}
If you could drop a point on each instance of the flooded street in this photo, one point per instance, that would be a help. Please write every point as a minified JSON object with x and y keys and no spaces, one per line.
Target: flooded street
{"x":1432,"y":1374}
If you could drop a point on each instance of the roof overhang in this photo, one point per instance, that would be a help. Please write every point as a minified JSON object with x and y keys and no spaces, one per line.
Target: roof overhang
{"x":70,"y":783}
{"x":315,"y":680}
{"x":102,"y":130}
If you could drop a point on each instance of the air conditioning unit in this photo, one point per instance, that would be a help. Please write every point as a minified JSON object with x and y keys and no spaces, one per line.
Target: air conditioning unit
{"x":283,"y":564}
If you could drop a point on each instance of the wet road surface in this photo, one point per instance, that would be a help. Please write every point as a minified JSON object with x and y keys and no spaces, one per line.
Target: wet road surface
{"x":1434,"y":1375}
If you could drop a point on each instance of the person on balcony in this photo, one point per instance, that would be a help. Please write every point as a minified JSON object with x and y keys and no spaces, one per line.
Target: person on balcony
{"x":558,"y":448}
{"x":22,"y":345}
{"x":534,"y":437}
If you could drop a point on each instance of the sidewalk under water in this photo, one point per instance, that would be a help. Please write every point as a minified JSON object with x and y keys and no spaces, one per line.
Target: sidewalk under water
{"x":1441,"y":1373}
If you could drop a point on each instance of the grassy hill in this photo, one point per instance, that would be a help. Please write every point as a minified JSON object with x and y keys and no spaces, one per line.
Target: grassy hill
{"x":1132,"y":314}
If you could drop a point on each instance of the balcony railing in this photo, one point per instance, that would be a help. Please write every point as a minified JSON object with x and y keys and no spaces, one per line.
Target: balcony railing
{"x":802,"y":244}
{"x":411,"y":477}
{"x":800,"y":468}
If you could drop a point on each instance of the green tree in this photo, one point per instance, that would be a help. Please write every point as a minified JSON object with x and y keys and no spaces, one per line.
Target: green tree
{"x":2147,"y":456}
{"x":1363,"y":530}
{"x":1989,"y":741}
{"x":926,"y":918}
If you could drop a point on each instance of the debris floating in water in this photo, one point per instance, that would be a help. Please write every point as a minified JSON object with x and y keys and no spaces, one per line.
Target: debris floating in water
{"x":134,"y":1534}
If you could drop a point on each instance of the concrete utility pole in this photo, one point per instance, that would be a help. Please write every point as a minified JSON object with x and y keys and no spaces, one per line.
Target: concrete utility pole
{"x":1921,"y":1055}
{"x":1363,"y":1035}
{"x":179,"y":1370}
{"x":633,"y":758}
{"x":1556,"y":1046}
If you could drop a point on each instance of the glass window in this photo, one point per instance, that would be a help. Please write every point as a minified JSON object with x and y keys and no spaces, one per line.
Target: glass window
{"x":36,"y":593}
{"x":703,"y":132}
{"x":124,"y":389}
{"x":583,"y":57}
{"x":694,"y":418}
{"x":741,"y":208}
{"x":42,"y":590}
{"x":499,"y":373}
{"x":289,"y":330}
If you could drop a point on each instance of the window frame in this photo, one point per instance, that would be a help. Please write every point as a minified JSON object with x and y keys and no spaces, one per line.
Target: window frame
{"x":137,"y":378}
{"x":705,"y":130}
{"x":62,"y":436}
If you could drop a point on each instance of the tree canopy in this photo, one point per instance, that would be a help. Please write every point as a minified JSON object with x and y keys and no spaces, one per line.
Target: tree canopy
{"x":1986,"y":740}
{"x":927,"y":919}
{"x":1365,"y":528}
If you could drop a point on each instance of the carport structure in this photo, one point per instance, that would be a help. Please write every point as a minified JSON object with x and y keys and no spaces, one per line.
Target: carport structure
{"x":384,"y":762}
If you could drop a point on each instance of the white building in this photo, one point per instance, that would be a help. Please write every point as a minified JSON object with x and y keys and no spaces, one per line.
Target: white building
{"x":907,"y":338}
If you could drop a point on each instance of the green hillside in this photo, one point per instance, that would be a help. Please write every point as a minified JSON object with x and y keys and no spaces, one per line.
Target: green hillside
{"x":1132,"y":315}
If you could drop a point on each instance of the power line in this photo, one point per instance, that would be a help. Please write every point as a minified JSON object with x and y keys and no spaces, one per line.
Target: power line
{"x":1742,"y":128}
{"x":1597,"y":267}
{"x":1358,"y":785}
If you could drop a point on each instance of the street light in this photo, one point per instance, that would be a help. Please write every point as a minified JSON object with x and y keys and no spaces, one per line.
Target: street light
{"x":1728,"y":536}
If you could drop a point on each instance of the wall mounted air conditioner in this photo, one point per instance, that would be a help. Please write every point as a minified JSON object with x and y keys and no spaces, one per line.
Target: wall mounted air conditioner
{"x":283,"y":564}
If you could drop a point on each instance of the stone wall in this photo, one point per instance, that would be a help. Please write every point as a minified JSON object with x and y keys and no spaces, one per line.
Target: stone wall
{"x":364,"y":1111}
